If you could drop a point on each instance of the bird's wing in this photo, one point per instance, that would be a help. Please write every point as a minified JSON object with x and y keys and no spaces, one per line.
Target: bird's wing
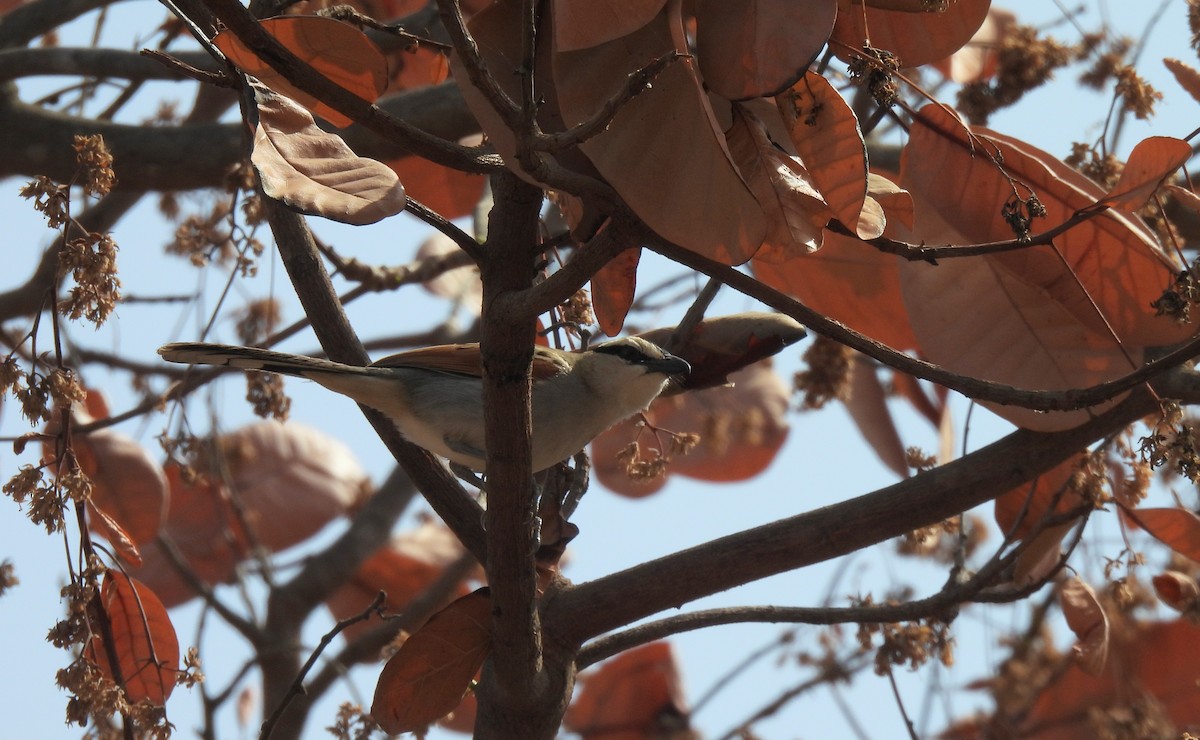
{"x":464,"y":359}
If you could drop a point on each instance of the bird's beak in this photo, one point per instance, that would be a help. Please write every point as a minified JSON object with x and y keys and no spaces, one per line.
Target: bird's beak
{"x":670,"y":365}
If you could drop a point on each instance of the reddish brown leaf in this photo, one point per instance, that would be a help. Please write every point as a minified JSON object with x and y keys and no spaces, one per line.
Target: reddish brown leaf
{"x":1150,"y":162}
{"x":757,"y":49}
{"x":896,"y":202}
{"x":613,"y":287}
{"x":127,"y":485}
{"x":825,"y":132}
{"x":796,"y":213}
{"x":337,"y":50}
{"x":427,"y":678}
{"x":1021,"y":509}
{"x":1179,"y":591}
{"x":116,"y":536}
{"x":867,"y":405}
{"x":678,"y":178}
{"x":1178,"y":529}
{"x":955,"y":174}
{"x":1159,"y":660}
{"x":741,"y":429}
{"x":1042,"y":555}
{"x":630,"y":697}
{"x":850,"y":281}
{"x":314,"y":172}
{"x":720,"y":345}
{"x":1186,"y":75}
{"x":450,"y":193}
{"x":403,"y":569}
{"x":144,"y":640}
{"x":413,"y":68}
{"x":1185,"y":197}
{"x":1087,"y":620}
{"x":580,"y":24}
{"x":916,"y":38}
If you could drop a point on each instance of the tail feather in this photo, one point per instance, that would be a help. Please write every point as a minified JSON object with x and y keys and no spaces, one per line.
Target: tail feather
{"x":251,"y":358}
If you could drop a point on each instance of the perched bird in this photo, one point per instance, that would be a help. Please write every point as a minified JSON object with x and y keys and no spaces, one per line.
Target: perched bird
{"x":435,"y":395}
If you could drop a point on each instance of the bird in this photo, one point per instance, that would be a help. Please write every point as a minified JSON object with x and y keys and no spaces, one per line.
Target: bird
{"x":435,"y":394}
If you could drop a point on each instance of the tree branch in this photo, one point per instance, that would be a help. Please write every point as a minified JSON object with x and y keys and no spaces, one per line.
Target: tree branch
{"x":599,"y":606}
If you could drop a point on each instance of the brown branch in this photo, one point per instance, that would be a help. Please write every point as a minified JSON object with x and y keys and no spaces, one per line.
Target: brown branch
{"x":599,"y":606}
{"x":24,"y":23}
{"x":982,"y":390}
{"x":507,"y":339}
{"x":241,"y":24}
{"x":105,"y":63}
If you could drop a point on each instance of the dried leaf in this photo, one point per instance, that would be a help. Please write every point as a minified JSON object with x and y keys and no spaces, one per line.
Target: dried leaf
{"x":1178,"y":529}
{"x":1185,"y":197}
{"x":897,"y":203}
{"x":718,"y":346}
{"x":428,"y":677}
{"x":448,"y":192}
{"x":613,"y":288}
{"x":951,"y":168}
{"x":337,"y":50}
{"x":580,"y":24}
{"x":144,"y":640}
{"x":916,"y":38}
{"x":128,"y":486}
{"x":678,"y":178}
{"x":757,"y":49}
{"x":1087,"y":620}
{"x":849,"y":281}
{"x":116,"y":536}
{"x":867,"y":405}
{"x":1042,"y":555}
{"x":631,"y":697}
{"x":796,"y":213}
{"x":1179,"y":591}
{"x":1150,"y":162}
{"x":825,"y":132}
{"x":1021,"y":509}
{"x":314,"y":172}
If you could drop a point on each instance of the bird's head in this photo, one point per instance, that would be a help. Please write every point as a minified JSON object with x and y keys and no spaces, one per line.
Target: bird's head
{"x":629,"y":370}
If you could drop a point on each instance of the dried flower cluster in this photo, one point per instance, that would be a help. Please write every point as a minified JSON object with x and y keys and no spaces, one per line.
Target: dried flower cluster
{"x":1173,"y":440}
{"x":8,"y":576}
{"x":50,"y":199}
{"x":943,"y":542}
{"x":95,"y":165}
{"x":828,"y":375}
{"x":1019,"y":214}
{"x":92,"y":262}
{"x":649,"y":464}
{"x":577,"y":311}
{"x":257,"y":320}
{"x":352,"y":723}
{"x":265,"y":393}
{"x":1025,"y":61}
{"x":874,"y":68}
{"x":907,"y":643}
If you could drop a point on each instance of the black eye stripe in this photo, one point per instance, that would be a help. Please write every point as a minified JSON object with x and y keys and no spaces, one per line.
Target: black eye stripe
{"x":626,"y":352}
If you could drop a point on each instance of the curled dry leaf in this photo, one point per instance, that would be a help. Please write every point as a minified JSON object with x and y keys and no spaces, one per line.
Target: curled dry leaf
{"x":718,"y":346}
{"x":867,"y":405}
{"x":638,"y":694}
{"x":1177,"y":590}
{"x":580,"y":24}
{"x":403,"y":569}
{"x":144,"y":640}
{"x":1087,"y":620}
{"x":825,"y":132}
{"x":796,"y":213}
{"x":1150,"y":162}
{"x":757,"y":49}
{"x":427,"y":678}
{"x":678,"y":178}
{"x":849,"y":281}
{"x":916,"y":38}
{"x":741,"y":429}
{"x":337,"y":50}
{"x":314,"y":172}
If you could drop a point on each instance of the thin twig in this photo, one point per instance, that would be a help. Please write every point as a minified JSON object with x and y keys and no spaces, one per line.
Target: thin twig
{"x":297,"y":686}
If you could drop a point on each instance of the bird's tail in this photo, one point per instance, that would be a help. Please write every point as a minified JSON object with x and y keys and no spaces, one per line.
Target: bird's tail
{"x":251,"y":358}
